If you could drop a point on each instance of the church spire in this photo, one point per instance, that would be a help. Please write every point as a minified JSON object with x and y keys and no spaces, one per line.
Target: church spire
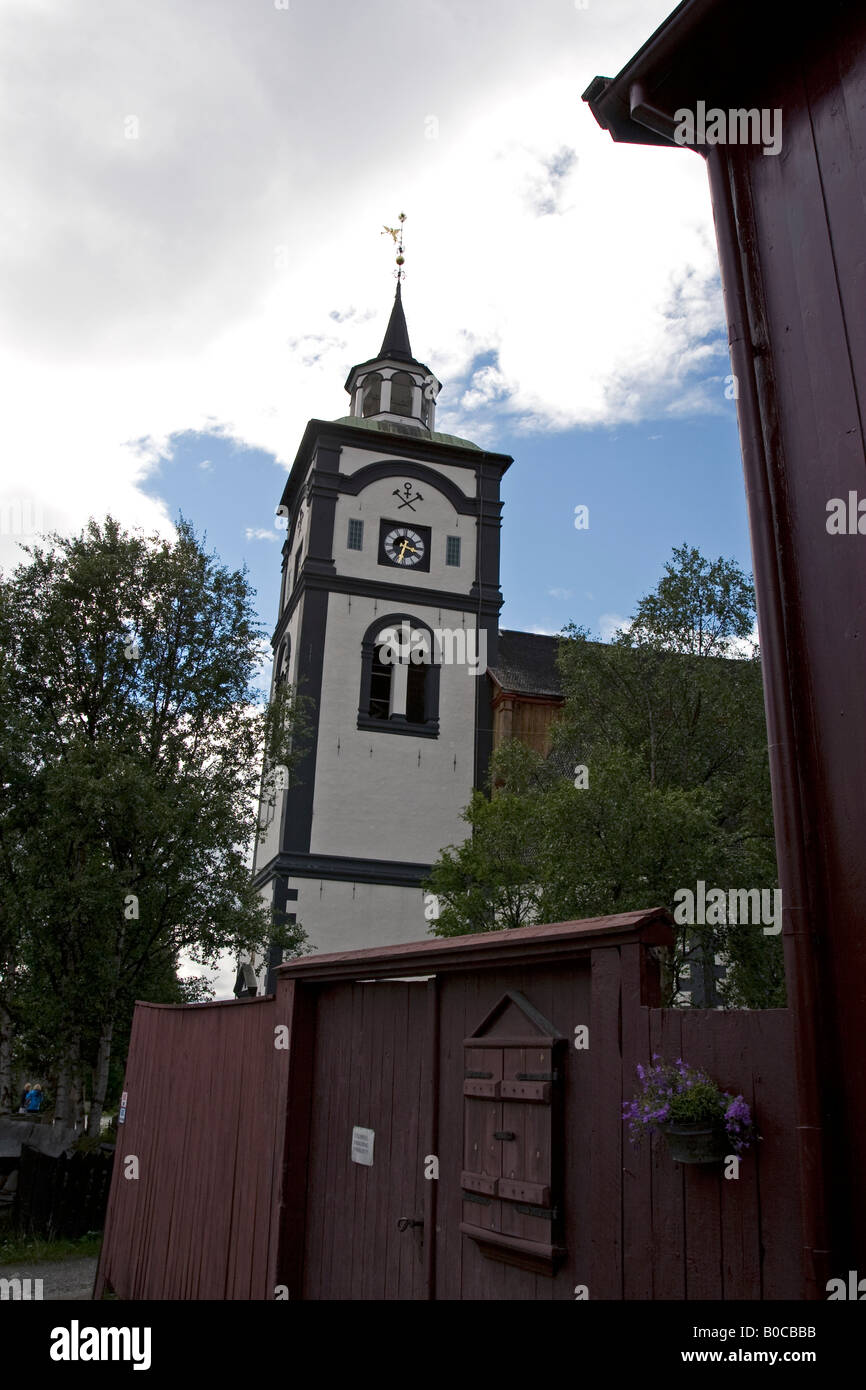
{"x":396,"y":340}
{"x":385,"y":395}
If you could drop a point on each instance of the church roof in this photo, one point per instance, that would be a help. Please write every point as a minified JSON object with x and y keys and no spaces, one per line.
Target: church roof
{"x":526,"y":664}
{"x":396,"y":340}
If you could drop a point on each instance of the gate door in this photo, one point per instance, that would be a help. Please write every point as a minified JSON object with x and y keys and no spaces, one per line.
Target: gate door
{"x":364,"y":1234}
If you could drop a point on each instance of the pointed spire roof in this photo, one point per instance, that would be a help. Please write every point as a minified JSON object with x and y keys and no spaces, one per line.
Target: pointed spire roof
{"x":396,"y":340}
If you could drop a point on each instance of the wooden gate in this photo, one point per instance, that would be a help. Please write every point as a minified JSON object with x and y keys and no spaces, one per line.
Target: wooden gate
{"x":461,"y":1137}
{"x":473,"y":1085}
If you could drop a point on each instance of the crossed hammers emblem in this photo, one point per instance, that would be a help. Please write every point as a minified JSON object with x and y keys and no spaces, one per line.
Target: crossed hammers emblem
{"x":407,"y":500}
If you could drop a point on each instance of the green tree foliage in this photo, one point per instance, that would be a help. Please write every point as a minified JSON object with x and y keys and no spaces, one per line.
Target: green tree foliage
{"x":670,"y":725}
{"x":131,"y":738}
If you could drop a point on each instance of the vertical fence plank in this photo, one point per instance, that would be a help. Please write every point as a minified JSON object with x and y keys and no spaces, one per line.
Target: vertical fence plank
{"x":668,"y":1216}
{"x":637,"y":1197}
{"x":606,"y":1161}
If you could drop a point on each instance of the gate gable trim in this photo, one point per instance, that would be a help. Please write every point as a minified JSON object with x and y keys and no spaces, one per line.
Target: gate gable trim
{"x":526,"y":945}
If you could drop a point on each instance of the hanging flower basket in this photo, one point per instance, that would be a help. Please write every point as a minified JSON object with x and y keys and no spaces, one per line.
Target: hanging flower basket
{"x":695,"y":1142}
{"x":701,"y":1123}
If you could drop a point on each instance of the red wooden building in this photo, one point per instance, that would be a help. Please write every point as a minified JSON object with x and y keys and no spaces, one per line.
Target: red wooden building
{"x":791,"y":227}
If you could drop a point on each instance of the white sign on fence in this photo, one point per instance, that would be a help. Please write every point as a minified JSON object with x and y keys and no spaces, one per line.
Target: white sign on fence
{"x":362,"y":1146}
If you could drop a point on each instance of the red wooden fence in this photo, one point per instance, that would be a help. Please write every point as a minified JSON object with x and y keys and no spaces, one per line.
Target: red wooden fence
{"x":204,"y":1084}
{"x":248,"y":1187}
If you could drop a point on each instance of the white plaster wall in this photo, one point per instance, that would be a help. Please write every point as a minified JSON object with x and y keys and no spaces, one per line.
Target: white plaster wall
{"x":341,"y":916}
{"x":380,"y":795}
{"x":266,"y":848}
{"x":377,"y":502}
{"x":352,"y":459}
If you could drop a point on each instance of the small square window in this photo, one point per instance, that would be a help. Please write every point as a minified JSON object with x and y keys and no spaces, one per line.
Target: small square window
{"x":452,"y":550}
{"x":355,"y":539}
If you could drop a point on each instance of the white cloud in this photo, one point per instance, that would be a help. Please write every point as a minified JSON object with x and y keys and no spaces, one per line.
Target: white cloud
{"x":258,"y":533}
{"x":224,"y":269}
{"x":610,"y":623}
{"x":560,"y":593}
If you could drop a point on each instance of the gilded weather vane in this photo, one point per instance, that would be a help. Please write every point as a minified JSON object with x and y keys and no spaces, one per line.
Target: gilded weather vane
{"x":396,"y":234}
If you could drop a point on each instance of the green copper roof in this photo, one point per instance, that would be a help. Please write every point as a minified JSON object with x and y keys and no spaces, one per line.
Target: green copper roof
{"x":390,"y":427}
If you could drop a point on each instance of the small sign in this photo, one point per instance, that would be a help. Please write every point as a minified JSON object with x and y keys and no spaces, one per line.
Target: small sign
{"x":362,"y":1146}
{"x":121,"y":1114}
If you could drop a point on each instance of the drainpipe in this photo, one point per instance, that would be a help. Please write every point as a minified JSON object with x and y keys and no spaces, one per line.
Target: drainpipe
{"x":800,"y":955}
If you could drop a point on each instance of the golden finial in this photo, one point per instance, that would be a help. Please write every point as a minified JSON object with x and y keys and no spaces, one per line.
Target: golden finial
{"x":396,"y":235}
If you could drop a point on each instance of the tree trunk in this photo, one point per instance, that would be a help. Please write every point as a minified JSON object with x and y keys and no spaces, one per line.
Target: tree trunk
{"x":8,"y":1101}
{"x":100,"y":1080}
{"x":68,"y":1107}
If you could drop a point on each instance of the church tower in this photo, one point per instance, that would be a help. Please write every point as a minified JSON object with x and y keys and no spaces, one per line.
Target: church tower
{"x":388,"y":621}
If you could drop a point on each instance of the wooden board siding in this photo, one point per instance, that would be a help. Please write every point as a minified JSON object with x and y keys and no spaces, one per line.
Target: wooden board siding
{"x":805,"y":272}
{"x":790,"y":228}
{"x":528,"y":719}
{"x":203,"y":1085}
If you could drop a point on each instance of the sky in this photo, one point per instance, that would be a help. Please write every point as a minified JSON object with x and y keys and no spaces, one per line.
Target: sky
{"x":192,"y":258}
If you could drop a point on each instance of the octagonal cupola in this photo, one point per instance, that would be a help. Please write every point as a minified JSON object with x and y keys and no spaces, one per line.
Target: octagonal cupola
{"x":393,"y":390}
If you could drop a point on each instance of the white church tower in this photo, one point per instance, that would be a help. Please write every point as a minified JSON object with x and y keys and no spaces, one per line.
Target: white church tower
{"x":388,"y":620}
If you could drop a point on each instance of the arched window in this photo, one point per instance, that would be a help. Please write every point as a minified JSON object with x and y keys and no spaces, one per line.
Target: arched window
{"x":372,"y":395}
{"x":379,"y":702}
{"x":282,"y":661}
{"x":402,"y":394}
{"x":399,"y":677}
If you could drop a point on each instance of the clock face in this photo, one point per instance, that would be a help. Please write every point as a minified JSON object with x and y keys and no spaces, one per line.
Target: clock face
{"x":404,"y":546}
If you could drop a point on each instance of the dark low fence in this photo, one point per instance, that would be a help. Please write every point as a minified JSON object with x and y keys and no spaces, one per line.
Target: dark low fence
{"x":62,"y":1196}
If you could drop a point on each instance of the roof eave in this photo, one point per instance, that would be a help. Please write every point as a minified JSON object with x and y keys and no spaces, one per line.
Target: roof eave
{"x":700,"y":43}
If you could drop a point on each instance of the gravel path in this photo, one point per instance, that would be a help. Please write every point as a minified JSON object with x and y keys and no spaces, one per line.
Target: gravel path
{"x":61,"y":1279}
